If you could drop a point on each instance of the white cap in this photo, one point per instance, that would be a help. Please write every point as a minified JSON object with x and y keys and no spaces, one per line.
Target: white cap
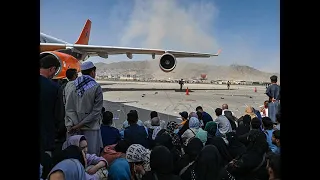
{"x":87,"y":65}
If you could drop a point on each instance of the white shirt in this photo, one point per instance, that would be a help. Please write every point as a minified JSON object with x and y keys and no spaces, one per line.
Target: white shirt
{"x":227,"y":110}
{"x":262,"y":115}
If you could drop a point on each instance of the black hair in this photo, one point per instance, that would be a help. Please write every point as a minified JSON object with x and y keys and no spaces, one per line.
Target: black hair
{"x":267,"y":123}
{"x":153,"y":114}
{"x":200,"y":115}
{"x":276,"y":134}
{"x":132,"y":117}
{"x":107,"y":118}
{"x":71,"y":152}
{"x":218,"y":111}
{"x":47,"y":61}
{"x":83,"y":138}
{"x":70,"y":73}
{"x":199,"y":108}
{"x":255,"y":123}
{"x":274,"y":78}
{"x":122,"y":146}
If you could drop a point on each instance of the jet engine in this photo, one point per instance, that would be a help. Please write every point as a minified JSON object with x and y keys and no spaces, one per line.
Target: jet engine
{"x":167,"y":62}
{"x":66,"y":61}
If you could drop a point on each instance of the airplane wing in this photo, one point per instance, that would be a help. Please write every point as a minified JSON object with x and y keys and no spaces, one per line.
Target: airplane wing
{"x":104,"y":51}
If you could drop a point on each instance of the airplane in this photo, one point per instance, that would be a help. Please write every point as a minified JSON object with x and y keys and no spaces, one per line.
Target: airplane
{"x":71,"y":55}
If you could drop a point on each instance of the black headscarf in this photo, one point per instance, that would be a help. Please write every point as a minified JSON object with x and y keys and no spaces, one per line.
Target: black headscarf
{"x":161,"y":160}
{"x":257,"y":142}
{"x":252,"y":163}
{"x":219,"y":143}
{"x":192,"y":150}
{"x":244,"y":125}
{"x":208,"y":164}
{"x":71,"y":152}
{"x":161,"y":163}
{"x":164,"y":140}
{"x":235,"y":147}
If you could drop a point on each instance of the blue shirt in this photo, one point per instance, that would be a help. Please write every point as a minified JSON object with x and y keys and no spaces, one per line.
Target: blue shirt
{"x":206,"y":118}
{"x":136,"y":134}
{"x":273,"y":147}
{"x":110,"y":135}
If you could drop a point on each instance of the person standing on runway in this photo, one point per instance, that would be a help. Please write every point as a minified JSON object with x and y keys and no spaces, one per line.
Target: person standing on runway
{"x":83,"y":103}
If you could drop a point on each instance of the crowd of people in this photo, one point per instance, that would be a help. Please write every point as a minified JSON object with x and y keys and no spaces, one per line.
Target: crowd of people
{"x":78,"y":141}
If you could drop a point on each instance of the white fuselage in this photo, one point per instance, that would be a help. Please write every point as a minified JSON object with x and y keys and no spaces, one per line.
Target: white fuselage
{"x":44,"y":38}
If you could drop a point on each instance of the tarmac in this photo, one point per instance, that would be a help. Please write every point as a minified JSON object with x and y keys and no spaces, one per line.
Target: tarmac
{"x":166,"y":98}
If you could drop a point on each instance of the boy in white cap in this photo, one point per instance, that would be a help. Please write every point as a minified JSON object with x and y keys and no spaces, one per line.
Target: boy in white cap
{"x":83,"y":103}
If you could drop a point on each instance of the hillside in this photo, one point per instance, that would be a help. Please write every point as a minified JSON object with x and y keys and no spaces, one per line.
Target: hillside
{"x":185,"y":70}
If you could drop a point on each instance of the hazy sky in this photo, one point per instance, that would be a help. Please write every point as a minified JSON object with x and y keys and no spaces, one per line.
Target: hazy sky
{"x":248,"y":31}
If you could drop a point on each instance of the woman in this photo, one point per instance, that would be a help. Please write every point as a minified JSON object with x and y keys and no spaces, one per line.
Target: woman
{"x":69,"y":163}
{"x":139,"y":161}
{"x":95,"y":165}
{"x":68,"y":169}
{"x":165,"y":140}
{"x":211,"y":128}
{"x":252,"y":164}
{"x":207,"y":166}
{"x":191,"y":152}
{"x":250,"y":111}
{"x":194,"y":131}
{"x":161,"y":163}
{"x":244,"y":125}
{"x":235,"y":147}
{"x":172,"y":130}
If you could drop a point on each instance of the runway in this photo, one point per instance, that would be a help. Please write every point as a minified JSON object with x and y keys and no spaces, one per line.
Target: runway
{"x":166,"y":99}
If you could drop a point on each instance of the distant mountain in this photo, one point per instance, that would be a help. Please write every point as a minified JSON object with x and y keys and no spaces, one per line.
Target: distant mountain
{"x":185,"y":70}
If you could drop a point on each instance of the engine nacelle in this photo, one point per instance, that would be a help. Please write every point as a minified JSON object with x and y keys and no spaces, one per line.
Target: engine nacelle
{"x":167,"y":62}
{"x":66,"y":61}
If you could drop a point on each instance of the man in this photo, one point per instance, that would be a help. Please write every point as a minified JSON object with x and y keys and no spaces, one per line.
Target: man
{"x":230,"y":116}
{"x":228,"y":85}
{"x":224,"y":108}
{"x":135,"y":134}
{"x":223,"y":123}
{"x":264,"y":109}
{"x":184,"y":117}
{"x":154,"y":121}
{"x":49,"y":66}
{"x":83,"y":103}
{"x":71,"y":74}
{"x":181,"y":84}
{"x":205,"y":116}
{"x":273,"y":92}
{"x":184,"y":125}
{"x":276,"y":140}
{"x":126,"y":124}
{"x":110,"y":135}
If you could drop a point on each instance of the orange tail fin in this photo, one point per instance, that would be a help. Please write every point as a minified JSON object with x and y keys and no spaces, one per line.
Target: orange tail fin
{"x":85,"y":34}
